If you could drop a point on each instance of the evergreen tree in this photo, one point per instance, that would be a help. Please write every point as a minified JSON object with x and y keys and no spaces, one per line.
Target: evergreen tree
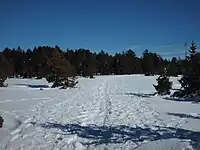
{"x":6,"y":69}
{"x":104,"y":63}
{"x":148,"y":63}
{"x":190,"y":81}
{"x":128,"y":62}
{"x":164,"y":85}
{"x":116,"y":64}
{"x":173,"y":67}
{"x":61,"y":70}
{"x":89,"y":68}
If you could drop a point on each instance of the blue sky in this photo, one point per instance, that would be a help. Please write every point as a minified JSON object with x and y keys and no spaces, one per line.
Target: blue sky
{"x":112,"y":25}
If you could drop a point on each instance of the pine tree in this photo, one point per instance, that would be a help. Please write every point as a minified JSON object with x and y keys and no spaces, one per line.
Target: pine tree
{"x":190,"y":81}
{"x":61,"y":70}
{"x":148,"y":63}
{"x":164,"y":85}
{"x":172,"y":68}
{"x":6,"y":70}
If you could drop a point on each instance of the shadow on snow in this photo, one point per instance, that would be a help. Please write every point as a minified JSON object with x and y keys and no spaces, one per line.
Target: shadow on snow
{"x":34,"y":86}
{"x":179,"y":99}
{"x":136,"y":94}
{"x":122,"y":133}
{"x":184,"y":115}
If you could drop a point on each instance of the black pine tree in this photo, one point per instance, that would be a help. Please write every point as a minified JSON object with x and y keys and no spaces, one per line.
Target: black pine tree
{"x":164,"y":85}
{"x":190,"y":81}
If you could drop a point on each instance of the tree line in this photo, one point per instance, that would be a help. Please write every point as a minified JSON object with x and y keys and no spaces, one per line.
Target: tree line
{"x":62,"y":67}
{"x":36,"y":62}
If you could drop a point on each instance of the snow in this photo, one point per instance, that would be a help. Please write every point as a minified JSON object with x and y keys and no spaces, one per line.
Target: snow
{"x":108,"y":112}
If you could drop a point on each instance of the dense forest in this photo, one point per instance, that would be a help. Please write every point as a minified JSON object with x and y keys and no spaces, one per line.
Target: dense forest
{"x":35,"y":63}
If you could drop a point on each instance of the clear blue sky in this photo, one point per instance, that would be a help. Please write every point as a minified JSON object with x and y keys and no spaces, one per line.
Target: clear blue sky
{"x":111,"y":25}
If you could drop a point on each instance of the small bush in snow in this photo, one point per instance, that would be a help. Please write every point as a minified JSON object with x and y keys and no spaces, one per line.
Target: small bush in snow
{"x":1,"y":121}
{"x":51,"y":78}
{"x":92,"y":77}
{"x":164,"y":85}
{"x":2,"y":84}
{"x":65,"y":83}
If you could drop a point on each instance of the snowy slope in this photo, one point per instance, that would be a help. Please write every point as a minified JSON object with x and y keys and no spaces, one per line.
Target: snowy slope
{"x":109,"y":112}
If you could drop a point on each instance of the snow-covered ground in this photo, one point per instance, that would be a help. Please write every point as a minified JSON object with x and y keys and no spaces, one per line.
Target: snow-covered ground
{"x":108,"y":112}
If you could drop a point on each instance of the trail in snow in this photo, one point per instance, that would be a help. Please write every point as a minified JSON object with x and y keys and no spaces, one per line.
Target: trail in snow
{"x":104,"y":113}
{"x":88,"y":106}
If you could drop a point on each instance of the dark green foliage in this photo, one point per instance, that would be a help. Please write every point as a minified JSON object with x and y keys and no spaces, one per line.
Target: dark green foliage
{"x":148,"y":63}
{"x":164,"y":85}
{"x":35,"y":63}
{"x":104,"y":63}
{"x":59,"y":82}
{"x":5,"y":70}
{"x":61,"y":70}
{"x":172,"y":68}
{"x":190,"y":81}
{"x":51,"y":77}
